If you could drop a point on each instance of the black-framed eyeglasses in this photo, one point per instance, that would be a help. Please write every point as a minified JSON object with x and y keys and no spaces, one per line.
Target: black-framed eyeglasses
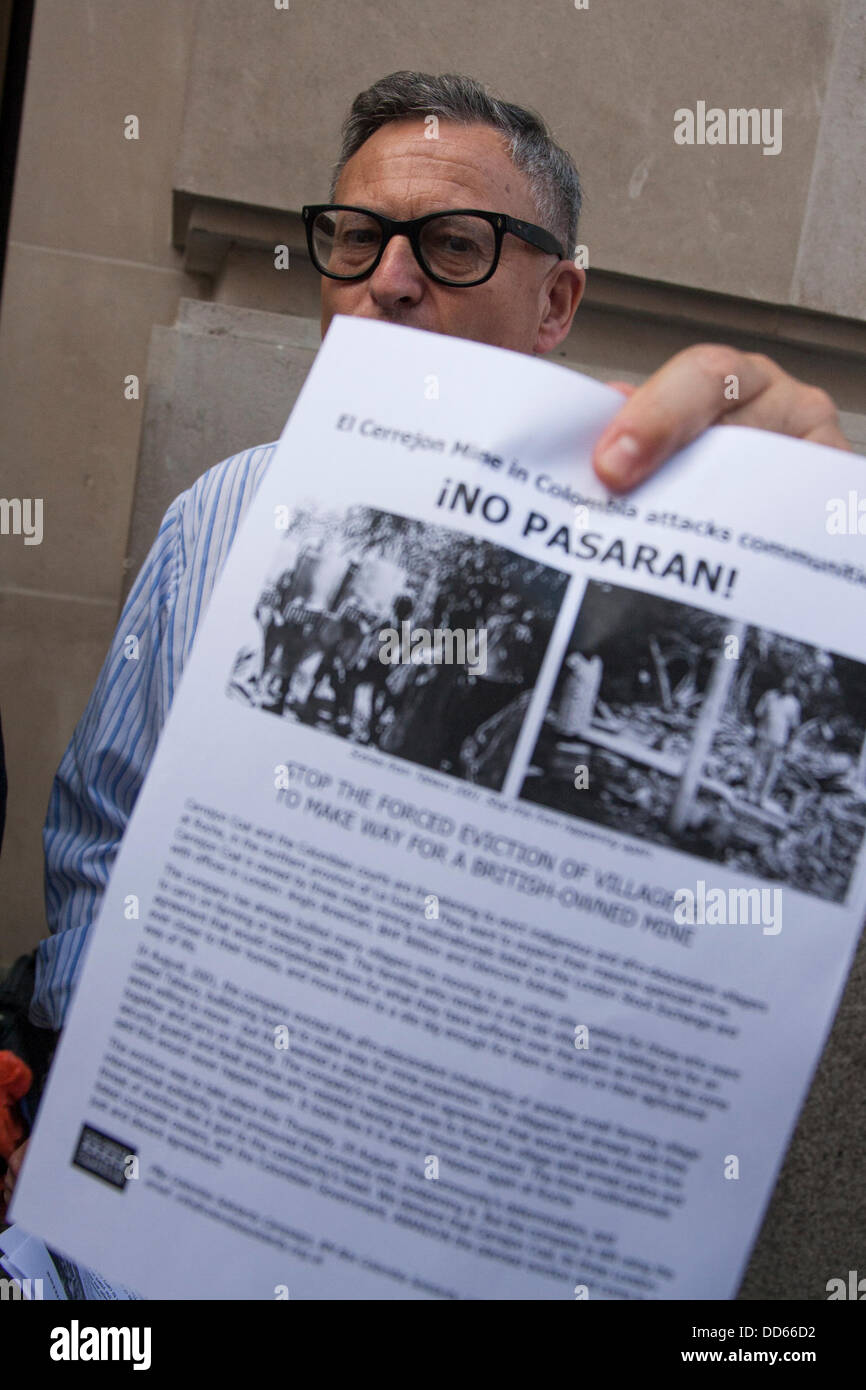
{"x":458,"y":247}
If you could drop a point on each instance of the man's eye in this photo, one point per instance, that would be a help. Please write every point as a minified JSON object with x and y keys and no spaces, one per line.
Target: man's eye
{"x":358,"y":236}
{"x":454,"y":244}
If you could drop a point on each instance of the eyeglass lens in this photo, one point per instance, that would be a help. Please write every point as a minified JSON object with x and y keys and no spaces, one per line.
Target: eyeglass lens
{"x":457,"y":248}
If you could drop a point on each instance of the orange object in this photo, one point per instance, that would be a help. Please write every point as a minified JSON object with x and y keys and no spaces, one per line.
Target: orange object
{"x":16,"y":1078}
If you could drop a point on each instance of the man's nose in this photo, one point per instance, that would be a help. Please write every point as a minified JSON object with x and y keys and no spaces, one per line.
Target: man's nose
{"x":398,"y":278}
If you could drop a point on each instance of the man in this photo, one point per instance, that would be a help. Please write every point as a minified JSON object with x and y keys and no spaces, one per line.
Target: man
{"x":777,"y":715}
{"x":489,"y":156}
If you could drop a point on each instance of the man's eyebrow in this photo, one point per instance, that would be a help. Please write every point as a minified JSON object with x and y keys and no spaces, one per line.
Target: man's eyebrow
{"x":457,"y":207}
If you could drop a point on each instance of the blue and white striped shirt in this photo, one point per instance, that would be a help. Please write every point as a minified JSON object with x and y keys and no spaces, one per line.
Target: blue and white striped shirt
{"x":104,"y":766}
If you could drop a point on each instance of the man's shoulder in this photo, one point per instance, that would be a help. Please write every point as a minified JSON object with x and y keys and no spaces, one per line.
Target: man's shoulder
{"x":174,"y":585}
{"x":230,"y":484}
{"x":205,"y":518}
{"x":198,"y":529}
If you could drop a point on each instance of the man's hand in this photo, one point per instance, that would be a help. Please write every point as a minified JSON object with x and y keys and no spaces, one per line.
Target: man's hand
{"x":16,"y":1158}
{"x":706,"y":385}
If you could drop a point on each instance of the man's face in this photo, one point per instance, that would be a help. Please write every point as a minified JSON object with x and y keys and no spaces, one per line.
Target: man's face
{"x":526,"y":305}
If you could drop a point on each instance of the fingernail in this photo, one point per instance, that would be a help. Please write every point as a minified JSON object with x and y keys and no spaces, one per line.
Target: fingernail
{"x":619,"y":460}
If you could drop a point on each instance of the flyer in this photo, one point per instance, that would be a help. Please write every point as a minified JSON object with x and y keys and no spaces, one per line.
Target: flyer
{"x":485,"y":909}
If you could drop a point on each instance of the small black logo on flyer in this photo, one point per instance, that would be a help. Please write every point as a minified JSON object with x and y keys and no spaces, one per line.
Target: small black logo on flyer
{"x":103,"y":1156}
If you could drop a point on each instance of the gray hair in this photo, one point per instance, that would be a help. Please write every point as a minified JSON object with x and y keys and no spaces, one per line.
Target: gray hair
{"x":553,"y":178}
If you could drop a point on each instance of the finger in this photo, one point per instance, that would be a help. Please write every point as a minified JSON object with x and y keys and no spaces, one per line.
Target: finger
{"x":674,"y":406}
{"x":16,"y":1158}
{"x":624,"y":386}
{"x":831,"y":435}
{"x":791,"y":407}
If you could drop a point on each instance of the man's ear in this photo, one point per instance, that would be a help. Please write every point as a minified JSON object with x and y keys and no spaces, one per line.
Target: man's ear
{"x":562,"y":294}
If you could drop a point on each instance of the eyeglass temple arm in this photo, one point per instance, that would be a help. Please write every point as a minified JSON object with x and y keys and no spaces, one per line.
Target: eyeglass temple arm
{"x":536,"y":236}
